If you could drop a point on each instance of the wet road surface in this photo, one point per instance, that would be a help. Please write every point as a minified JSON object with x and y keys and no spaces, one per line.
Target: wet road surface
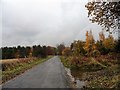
{"x":50,"y":74}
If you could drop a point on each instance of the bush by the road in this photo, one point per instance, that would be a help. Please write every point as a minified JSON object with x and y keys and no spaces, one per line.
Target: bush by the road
{"x":97,"y":72}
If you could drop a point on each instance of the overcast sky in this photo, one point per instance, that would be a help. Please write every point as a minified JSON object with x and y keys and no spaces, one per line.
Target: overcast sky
{"x":44,"y":22}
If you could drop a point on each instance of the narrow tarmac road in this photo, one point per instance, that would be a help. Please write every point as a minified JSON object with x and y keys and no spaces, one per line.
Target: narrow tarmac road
{"x":50,"y":74}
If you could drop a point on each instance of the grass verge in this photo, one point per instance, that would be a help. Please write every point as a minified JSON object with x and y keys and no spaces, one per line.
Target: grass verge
{"x":20,"y":68}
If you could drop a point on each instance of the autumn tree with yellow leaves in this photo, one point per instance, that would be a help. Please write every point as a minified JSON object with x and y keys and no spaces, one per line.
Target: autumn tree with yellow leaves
{"x":90,"y":43}
{"x":77,"y":48}
{"x":104,"y":45}
{"x":109,"y":43}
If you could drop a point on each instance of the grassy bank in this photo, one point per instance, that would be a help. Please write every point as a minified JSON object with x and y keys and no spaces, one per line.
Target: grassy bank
{"x":14,"y":68}
{"x":97,"y":72}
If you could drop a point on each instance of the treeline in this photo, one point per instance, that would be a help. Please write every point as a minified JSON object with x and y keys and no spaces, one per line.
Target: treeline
{"x":25,"y":52}
{"x":90,"y":47}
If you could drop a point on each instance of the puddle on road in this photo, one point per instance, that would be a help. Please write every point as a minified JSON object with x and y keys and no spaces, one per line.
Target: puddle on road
{"x":76,"y":77}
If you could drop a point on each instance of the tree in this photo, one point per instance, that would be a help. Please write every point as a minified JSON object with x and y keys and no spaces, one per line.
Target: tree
{"x":99,"y":44}
{"x":4,"y":50}
{"x":77,"y":48}
{"x":109,"y":43}
{"x":0,"y":53}
{"x":60,"y":48}
{"x":101,"y":36}
{"x":50,"y":50}
{"x":100,"y":47}
{"x":66,"y":51}
{"x":44,"y":52}
{"x":106,"y":14}
{"x":21,"y":52}
{"x":37,"y":50}
{"x":90,"y":43}
{"x":117,"y":46}
{"x":28,"y":51}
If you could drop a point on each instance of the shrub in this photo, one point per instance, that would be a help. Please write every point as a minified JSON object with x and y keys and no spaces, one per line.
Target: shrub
{"x":95,"y":53}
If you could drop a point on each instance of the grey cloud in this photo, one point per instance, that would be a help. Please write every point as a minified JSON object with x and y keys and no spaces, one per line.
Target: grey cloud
{"x":45,"y":22}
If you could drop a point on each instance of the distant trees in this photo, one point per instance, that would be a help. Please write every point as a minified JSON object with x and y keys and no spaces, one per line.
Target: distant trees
{"x":37,"y":51}
{"x":25,"y":52}
{"x":0,"y":53}
{"x":60,"y":48}
{"x":78,"y":48}
{"x":51,"y":50}
{"x":66,"y":51}
{"x":28,"y":51}
{"x":8,"y":52}
{"x":21,"y":52}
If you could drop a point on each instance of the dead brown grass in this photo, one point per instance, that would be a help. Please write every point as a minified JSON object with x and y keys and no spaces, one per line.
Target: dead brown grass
{"x":11,"y":63}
